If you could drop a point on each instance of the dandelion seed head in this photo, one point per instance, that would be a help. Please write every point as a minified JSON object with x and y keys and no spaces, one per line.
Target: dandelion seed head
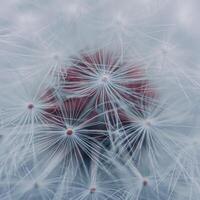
{"x":166,"y":48}
{"x":120,"y":19}
{"x":36,"y":185}
{"x":69,"y":131}
{"x":145,"y":181}
{"x":104,"y":78}
{"x":93,"y":190}
{"x":57,"y":56}
{"x":147,"y":123}
{"x":85,"y":113}
{"x":30,"y":106}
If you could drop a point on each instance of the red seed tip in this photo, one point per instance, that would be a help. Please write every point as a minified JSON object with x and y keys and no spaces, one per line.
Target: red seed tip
{"x":92,"y":190}
{"x":30,"y":106}
{"x":69,"y":131}
{"x":145,"y":182}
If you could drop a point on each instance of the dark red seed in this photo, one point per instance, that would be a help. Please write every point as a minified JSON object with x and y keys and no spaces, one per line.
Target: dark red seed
{"x":30,"y":106}
{"x":69,"y":131}
{"x":92,"y":190}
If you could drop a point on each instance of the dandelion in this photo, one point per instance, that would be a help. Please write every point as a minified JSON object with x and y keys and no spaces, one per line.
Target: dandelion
{"x":30,"y":183}
{"x":96,"y":184}
{"x":150,"y":137}
{"x":98,"y":100}
{"x":106,"y":78}
{"x":73,"y":132}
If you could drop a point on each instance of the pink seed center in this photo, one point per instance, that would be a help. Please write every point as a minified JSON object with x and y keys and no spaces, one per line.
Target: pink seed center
{"x":92,"y":190}
{"x":145,"y":182}
{"x":30,"y":106}
{"x":69,"y":131}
